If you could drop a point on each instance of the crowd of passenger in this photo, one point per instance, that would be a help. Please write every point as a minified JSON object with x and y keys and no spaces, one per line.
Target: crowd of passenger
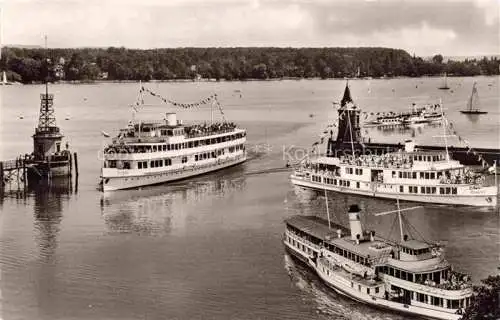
{"x":386,"y":161}
{"x":205,"y":128}
{"x":454,"y":281}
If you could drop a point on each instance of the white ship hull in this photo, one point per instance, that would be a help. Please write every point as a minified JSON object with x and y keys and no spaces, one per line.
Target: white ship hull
{"x":128,"y":182}
{"x":484,"y":197}
{"x":340,"y":284}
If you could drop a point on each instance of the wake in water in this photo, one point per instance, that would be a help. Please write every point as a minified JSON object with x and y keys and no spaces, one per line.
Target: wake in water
{"x":328,"y":303}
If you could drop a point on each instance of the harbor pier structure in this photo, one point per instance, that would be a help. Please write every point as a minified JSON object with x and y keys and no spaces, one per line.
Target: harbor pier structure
{"x":349,"y":140}
{"x":48,"y":160}
{"x":48,"y":156}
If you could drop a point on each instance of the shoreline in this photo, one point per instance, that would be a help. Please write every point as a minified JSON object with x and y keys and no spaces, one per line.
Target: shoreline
{"x":90,"y":82}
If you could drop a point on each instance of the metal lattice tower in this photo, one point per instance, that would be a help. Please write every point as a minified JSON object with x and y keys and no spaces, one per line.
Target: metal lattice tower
{"x":47,"y":119}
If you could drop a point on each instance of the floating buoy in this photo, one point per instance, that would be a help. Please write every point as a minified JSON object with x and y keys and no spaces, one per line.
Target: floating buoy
{"x":21,"y":117}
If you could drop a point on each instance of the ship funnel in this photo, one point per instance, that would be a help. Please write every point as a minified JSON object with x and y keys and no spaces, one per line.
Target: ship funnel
{"x":409,"y":145}
{"x":355,"y":223}
{"x":171,"y":118}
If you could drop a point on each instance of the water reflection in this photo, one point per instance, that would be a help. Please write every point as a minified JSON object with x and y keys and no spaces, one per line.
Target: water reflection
{"x":472,"y":117}
{"x":157,"y":210}
{"x":49,"y":199}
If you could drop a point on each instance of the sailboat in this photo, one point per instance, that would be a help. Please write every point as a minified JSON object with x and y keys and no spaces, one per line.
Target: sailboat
{"x":4,"y":79}
{"x":473,"y":103}
{"x":445,"y":84}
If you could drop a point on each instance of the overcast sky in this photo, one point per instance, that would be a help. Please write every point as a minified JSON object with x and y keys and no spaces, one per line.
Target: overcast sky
{"x":423,"y":27}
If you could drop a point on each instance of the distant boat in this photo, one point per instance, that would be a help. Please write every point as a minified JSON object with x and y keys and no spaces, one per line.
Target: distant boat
{"x":4,"y":79}
{"x":473,"y":103}
{"x":104,"y":133}
{"x":445,"y":83}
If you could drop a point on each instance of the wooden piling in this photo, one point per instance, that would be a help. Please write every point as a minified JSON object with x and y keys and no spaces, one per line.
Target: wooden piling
{"x":70,"y":164}
{"x":75,"y":156}
{"x":1,"y":174}
{"x":17,"y":171}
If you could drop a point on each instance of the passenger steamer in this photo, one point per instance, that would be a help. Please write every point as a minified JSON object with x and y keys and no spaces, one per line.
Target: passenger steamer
{"x":411,"y":277}
{"x":408,"y":174}
{"x":418,"y":115}
{"x":154,"y":152}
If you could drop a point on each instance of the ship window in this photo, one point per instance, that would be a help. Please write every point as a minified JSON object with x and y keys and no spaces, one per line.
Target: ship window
{"x":422,"y":189}
{"x":357,"y":185}
{"x":448,"y":191}
{"x":403,"y":273}
{"x":394,"y":174}
{"x":367,"y":290}
{"x":352,"y":284}
{"x":401,"y":189}
{"x":433,"y":175}
{"x":400,"y":174}
{"x":421,"y":175}
{"x":377,"y":290}
{"x":359,"y":287}
{"x":454,"y":190}
{"x":414,"y":174}
{"x":139,"y":165}
{"x":397,"y":274}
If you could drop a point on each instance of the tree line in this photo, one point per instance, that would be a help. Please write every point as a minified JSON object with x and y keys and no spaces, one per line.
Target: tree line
{"x":88,"y":64}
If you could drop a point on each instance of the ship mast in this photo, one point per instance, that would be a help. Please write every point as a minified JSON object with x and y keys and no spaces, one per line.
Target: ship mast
{"x":327,"y":210}
{"x":398,"y":211}
{"x":444,"y":130}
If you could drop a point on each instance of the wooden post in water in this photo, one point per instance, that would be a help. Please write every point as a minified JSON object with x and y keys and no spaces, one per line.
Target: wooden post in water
{"x":76,"y":164}
{"x":1,"y":175}
{"x":70,"y":164}
{"x":17,"y":171}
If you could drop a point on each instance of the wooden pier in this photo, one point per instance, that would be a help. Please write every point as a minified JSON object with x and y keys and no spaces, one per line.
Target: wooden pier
{"x":15,"y":175}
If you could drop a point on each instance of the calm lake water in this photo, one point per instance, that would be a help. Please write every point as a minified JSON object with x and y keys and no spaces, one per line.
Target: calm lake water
{"x":210,"y":247}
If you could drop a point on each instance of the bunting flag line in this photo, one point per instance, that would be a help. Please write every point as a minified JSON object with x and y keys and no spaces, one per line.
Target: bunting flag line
{"x":211,"y":99}
{"x":466,"y":143}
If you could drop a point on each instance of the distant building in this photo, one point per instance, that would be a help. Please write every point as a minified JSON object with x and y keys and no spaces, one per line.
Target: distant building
{"x":103,"y":75}
{"x":59,"y":71}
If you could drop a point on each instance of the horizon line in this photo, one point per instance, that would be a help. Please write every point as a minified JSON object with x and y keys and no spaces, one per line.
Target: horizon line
{"x":27,"y":46}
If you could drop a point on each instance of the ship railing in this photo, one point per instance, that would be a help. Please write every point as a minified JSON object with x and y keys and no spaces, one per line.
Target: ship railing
{"x":208,"y":133}
{"x":455,"y":281}
{"x":297,"y":237}
{"x":476,"y":180}
{"x":380,"y":260}
{"x":47,"y":129}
